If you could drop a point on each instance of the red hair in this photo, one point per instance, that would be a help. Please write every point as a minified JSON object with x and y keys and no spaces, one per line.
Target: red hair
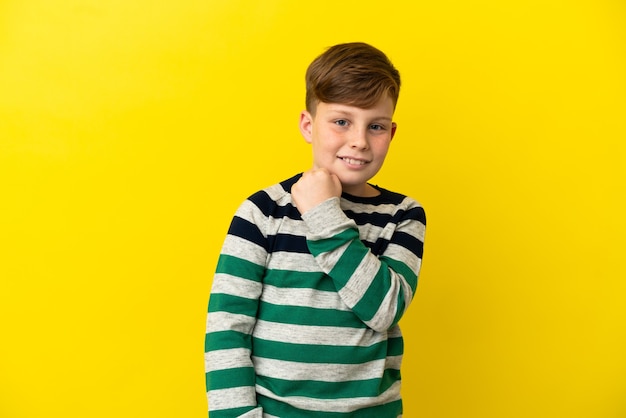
{"x":355,"y":74}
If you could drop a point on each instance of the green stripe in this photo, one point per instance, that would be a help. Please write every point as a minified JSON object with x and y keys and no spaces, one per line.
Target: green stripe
{"x":368,"y":388}
{"x":367,"y":307}
{"x":310,"y":353}
{"x":279,"y":409}
{"x":303,"y":315}
{"x":318,"y":247}
{"x":221,"y":302}
{"x":230,"y":378}
{"x":395,"y":347}
{"x":299,"y":280}
{"x":348,"y":263}
{"x":222,"y":340}
{"x":230,"y":413}
{"x":402,"y":269}
{"x":239,"y":267}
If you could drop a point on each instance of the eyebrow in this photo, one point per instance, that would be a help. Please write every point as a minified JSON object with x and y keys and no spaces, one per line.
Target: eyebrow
{"x":348,"y":113}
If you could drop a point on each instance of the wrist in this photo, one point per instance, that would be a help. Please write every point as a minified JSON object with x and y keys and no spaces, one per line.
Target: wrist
{"x":325,"y":217}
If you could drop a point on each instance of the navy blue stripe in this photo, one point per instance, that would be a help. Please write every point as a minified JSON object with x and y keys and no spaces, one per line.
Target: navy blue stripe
{"x":385,"y":197}
{"x":409,"y":242}
{"x":286,"y":185}
{"x":402,"y":239}
{"x":289,"y":243}
{"x":242,"y":228}
{"x":383,"y":219}
{"x":418,"y":214}
{"x":270,"y":208}
{"x":388,"y":196}
{"x":376,"y":219}
{"x":379,"y":247}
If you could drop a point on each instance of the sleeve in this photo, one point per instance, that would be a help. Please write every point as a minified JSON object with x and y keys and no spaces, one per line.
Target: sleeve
{"x":233,"y":304}
{"x":378,"y":289}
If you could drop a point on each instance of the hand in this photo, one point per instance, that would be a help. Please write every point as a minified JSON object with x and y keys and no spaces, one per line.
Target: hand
{"x":314,"y":187}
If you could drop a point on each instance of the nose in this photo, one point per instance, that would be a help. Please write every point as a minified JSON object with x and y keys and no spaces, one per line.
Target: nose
{"x":359,"y":140}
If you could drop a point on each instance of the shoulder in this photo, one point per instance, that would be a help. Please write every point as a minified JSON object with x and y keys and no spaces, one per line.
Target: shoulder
{"x":391,"y":197}
{"x":412,"y":208}
{"x":276,"y":197}
{"x":387,"y":203}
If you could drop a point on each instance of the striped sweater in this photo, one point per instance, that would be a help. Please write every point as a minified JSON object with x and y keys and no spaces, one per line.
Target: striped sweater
{"x":304,"y":310}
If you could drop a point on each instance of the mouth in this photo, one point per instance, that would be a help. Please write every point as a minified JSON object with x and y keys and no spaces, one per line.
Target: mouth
{"x":353,"y":161}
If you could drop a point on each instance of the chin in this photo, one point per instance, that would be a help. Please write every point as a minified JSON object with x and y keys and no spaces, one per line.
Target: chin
{"x":355,"y":179}
{"x":347,"y":185}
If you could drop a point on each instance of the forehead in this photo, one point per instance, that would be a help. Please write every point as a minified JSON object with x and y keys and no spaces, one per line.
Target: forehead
{"x":383,"y":109}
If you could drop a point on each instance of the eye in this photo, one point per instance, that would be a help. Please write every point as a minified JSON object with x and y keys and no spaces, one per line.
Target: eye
{"x":341,"y":122}
{"x":377,"y":127}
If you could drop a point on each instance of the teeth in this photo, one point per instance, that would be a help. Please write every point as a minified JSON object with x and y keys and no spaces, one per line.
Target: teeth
{"x":352,"y":161}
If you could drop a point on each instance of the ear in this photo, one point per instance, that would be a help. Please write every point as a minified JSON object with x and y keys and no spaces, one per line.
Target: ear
{"x":306,"y":126}
{"x":394,"y":126}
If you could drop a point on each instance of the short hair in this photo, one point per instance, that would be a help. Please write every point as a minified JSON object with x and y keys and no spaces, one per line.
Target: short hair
{"x":355,"y":74}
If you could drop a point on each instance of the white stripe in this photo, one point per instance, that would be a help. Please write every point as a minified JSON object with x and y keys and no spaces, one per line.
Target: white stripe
{"x":372,"y":233}
{"x":226,"y":359}
{"x":278,"y":194}
{"x":287,"y":226}
{"x":394,"y":332}
{"x":414,"y":228}
{"x":393,"y":362}
{"x":384,"y":316}
{"x":231,"y":398}
{"x":370,"y":208}
{"x":250,"y":212}
{"x":325,"y":372}
{"x":226,"y":321}
{"x":398,"y":252}
{"x":361,"y":280}
{"x":236,"y":286}
{"x":315,"y":335}
{"x":244,"y":249}
{"x":303,"y":297}
{"x":297,"y":262}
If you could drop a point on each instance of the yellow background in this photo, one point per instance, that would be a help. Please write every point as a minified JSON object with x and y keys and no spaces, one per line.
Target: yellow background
{"x":131,"y":130}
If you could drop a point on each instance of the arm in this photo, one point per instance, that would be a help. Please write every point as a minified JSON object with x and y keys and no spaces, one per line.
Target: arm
{"x":377,"y":289}
{"x":230,"y":377}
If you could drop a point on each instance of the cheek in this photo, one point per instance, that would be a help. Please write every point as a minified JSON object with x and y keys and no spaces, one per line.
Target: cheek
{"x":329,"y":142}
{"x":381,"y":148}
{"x":322,"y":151}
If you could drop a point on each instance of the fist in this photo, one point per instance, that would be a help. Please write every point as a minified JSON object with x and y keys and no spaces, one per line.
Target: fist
{"x":314,"y":187}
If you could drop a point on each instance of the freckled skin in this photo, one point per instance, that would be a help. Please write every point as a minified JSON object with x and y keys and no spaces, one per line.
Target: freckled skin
{"x":349,"y":146}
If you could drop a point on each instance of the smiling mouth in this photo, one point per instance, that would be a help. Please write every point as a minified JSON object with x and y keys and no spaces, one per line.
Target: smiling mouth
{"x":353,"y":161}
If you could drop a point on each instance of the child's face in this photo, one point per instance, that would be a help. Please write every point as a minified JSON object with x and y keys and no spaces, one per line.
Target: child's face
{"x":349,"y":141}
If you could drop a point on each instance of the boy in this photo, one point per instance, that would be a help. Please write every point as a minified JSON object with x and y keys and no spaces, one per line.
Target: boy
{"x":316,"y":271}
